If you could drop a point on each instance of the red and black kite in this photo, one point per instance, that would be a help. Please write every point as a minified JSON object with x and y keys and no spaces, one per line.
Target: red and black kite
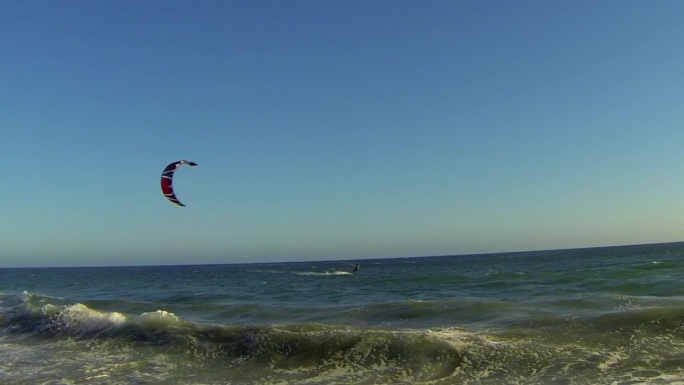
{"x":167,"y":180}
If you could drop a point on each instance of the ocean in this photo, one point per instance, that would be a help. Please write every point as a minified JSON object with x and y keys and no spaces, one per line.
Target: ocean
{"x":612,"y":315}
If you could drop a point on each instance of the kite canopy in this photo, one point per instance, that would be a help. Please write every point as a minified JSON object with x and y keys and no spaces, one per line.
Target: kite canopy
{"x":167,"y":180}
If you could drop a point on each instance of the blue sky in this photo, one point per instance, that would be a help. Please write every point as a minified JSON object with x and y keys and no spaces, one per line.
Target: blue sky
{"x":337,"y":129}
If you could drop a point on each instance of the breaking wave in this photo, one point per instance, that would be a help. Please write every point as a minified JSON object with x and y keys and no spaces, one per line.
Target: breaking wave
{"x":294,"y":352}
{"x":634,"y":345}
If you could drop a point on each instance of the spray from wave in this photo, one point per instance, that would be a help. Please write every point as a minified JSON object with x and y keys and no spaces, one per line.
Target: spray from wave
{"x":323,"y":273}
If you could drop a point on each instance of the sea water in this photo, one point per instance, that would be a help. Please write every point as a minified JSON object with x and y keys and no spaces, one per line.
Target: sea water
{"x":610,"y":315}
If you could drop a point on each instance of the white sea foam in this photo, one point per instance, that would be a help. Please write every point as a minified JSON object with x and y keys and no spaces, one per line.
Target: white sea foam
{"x":79,"y":318}
{"x":160,"y":318}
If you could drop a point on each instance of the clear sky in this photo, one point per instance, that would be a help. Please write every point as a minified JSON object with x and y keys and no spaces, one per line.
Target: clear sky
{"x":337,"y":129}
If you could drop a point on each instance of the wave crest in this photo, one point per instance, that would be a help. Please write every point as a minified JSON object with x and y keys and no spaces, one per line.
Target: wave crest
{"x":80,"y":320}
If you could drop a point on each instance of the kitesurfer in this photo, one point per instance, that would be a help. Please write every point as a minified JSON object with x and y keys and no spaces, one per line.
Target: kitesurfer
{"x":356,"y":268}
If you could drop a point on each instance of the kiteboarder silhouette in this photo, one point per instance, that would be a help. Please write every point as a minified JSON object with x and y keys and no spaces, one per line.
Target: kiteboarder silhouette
{"x":356,"y":268}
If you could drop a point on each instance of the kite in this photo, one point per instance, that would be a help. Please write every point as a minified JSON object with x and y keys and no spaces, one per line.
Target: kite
{"x":167,"y":180}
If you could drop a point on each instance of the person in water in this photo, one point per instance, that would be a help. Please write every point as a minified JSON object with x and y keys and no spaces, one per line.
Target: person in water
{"x":356,"y":268}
